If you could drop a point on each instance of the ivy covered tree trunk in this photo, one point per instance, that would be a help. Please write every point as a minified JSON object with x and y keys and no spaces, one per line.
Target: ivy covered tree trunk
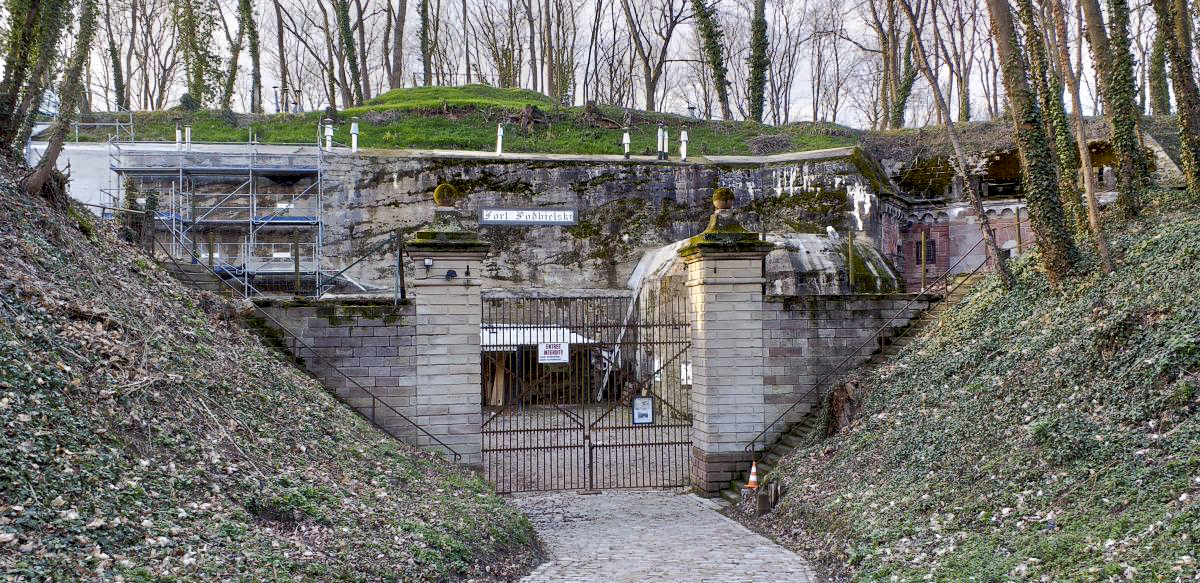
{"x":1114,"y":67}
{"x":427,"y":45}
{"x":1058,"y":132}
{"x":1087,"y":174}
{"x":247,"y":13}
{"x":70,"y":95}
{"x":757,"y":91}
{"x":284,"y":90}
{"x":347,"y":37}
{"x":710,"y":36}
{"x":904,"y":87}
{"x":1058,"y":253}
{"x":195,"y":53}
{"x":1160,"y":92}
{"x":1173,"y":16}
{"x":235,"y":53}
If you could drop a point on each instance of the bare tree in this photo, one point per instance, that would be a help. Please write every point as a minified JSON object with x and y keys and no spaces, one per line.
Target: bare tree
{"x":652,"y":25}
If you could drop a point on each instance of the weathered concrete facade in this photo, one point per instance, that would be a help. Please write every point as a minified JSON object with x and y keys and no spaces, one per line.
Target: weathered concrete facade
{"x":625,"y":207}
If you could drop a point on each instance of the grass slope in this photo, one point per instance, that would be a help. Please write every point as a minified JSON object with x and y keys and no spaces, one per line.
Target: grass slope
{"x":145,"y":437}
{"x":1035,"y":434}
{"x":465,"y":118}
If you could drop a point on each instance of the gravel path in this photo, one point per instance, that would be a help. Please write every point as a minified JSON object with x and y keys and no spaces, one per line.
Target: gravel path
{"x":618,"y":537}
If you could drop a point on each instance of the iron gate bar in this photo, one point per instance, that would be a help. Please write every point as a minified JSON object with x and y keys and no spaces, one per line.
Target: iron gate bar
{"x":534,"y":441}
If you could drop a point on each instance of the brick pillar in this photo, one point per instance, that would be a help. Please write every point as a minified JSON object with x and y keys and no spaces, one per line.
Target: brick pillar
{"x":725,"y":292}
{"x":448,"y":311}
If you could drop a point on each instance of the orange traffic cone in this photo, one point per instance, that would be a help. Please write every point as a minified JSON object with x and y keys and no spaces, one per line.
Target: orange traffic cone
{"x":753,"y":483}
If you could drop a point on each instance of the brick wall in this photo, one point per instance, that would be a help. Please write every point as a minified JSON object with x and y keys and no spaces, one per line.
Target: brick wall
{"x":370,"y":341}
{"x":806,"y":337}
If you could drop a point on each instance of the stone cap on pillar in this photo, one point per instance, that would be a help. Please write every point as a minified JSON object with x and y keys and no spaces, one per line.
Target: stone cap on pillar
{"x":724,"y":234}
{"x":449,"y":233}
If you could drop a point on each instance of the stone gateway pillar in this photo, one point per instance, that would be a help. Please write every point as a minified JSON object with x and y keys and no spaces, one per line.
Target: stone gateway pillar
{"x":725,"y":294}
{"x":447,"y":260}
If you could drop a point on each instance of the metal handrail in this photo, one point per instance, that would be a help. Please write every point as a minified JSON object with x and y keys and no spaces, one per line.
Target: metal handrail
{"x":750,"y":447}
{"x":302,"y":344}
{"x":321,"y":286}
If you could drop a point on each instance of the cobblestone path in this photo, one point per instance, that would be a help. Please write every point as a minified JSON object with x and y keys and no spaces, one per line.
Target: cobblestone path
{"x":618,"y":537}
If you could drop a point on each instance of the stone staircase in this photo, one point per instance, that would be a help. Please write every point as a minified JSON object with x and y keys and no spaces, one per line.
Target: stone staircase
{"x":810,"y":426}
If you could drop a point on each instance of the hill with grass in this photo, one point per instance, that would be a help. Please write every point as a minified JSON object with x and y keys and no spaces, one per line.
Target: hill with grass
{"x":465,"y":118}
{"x":1035,"y":434}
{"x":146,"y":437}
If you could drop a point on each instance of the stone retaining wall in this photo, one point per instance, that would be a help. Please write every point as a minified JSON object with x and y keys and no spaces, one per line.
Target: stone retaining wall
{"x":371,"y":343}
{"x":806,"y":338}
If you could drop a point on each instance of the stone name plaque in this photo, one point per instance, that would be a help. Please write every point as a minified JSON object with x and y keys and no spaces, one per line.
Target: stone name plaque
{"x":527,"y":217}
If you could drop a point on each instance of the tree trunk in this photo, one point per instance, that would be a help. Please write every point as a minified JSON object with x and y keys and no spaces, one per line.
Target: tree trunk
{"x":710,"y":36}
{"x":1058,"y":133}
{"x":960,"y":156}
{"x":351,"y":53}
{"x":1173,"y":16}
{"x":1086,"y":171}
{"x":364,"y":75}
{"x":396,"y":75}
{"x":70,"y":95}
{"x":1037,"y":161}
{"x":426,"y":46}
{"x":759,"y":62}
{"x":284,"y":94}
{"x":1160,"y":91}
{"x":1114,"y":68}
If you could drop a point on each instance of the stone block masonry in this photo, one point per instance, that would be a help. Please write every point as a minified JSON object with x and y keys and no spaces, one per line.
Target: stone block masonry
{"x":357,"y":347}
{"x":806,"y":338}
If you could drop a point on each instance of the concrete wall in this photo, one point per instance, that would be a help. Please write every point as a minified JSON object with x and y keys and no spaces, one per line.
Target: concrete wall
{"x":806,"y":338}
{"x":371,"y":342}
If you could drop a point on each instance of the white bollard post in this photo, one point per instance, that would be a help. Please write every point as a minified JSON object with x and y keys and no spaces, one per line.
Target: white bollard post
{"x":328,"y":135}
{"x":625,"y":142}
{"x":659,"y":147}
{"x":499,"y":139}
{"x":354,"y":134}
{"x":178,"y":138}
{"x":187,"y":137}
{"x":666,"y":143}
{"x":683,"y":140}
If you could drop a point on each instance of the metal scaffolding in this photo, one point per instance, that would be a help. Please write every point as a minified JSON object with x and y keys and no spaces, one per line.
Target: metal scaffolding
{"x":250,"y":215}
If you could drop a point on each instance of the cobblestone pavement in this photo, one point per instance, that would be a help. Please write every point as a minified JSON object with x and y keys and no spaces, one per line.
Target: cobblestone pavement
{"x":618,"y":537}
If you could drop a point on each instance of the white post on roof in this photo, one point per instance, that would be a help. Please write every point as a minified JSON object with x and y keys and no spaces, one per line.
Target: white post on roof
{"x":666,"y":142}
{"x":354,"y":134}
{"x":187,"y":137}
{"x":499,"y":139}
{"x":658,"y":151}
{"x":683,"y":140}
{"x":178,"y":138}
{"x":625,"y":142}
{"x":328,"y":135}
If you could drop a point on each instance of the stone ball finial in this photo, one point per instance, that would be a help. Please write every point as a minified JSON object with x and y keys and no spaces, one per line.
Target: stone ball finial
{"x":723,"y":198}
{"x":445,"y":195}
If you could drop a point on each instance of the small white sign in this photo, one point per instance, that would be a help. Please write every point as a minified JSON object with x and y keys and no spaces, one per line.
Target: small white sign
{"x":527,"y":217}
{"x":554,"y":352}
{"x":643,"y":410}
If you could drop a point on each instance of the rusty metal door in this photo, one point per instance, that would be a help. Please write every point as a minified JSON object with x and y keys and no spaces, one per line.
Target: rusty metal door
{"x":555,"y":425}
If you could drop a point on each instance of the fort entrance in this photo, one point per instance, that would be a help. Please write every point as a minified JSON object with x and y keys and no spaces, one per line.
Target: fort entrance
{"x":589,"y":392}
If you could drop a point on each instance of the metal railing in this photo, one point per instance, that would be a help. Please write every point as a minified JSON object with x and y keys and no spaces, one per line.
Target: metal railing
{"x":299,"y":344}
{"x":941,"y":283}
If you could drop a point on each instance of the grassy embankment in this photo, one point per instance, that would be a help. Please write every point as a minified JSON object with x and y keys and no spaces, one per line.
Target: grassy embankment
{"x":465,"y":118}
{"x":146,"y":437}
{"x":1035,"y":434}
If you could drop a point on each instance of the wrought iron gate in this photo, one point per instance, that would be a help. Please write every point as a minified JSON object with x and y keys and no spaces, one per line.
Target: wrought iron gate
{"x":571,"y":425}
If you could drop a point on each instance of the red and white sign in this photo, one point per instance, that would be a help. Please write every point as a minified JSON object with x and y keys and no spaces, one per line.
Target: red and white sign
{"x":554,"y":352}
